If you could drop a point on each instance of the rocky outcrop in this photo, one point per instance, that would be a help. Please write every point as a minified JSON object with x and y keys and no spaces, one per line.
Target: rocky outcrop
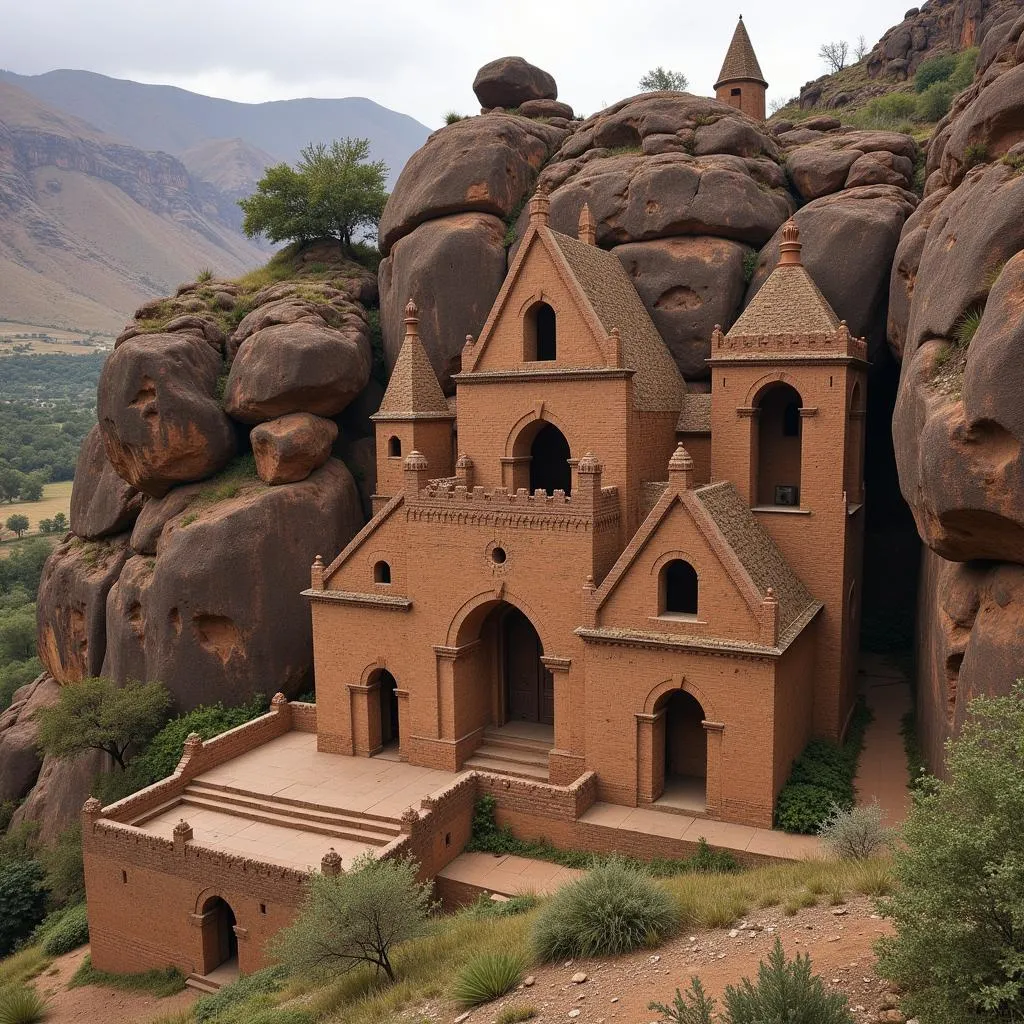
{"x":20,"y":759}
{"x":511,"y":81}
{"x":101,"y":502}
{"x":55,"y":801}
{"x":288,"y":449}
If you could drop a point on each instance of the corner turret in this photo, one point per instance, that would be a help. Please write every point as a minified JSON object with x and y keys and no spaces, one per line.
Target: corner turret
{"x":741,"y":82}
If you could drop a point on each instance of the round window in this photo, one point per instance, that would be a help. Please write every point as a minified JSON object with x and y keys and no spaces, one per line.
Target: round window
{"x":498,"y":556}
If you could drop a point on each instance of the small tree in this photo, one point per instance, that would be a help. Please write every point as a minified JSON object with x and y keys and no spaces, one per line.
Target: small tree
{"x":32,"y":488}
{"x":97,"y":714}
{"x":60,"y":523}
{"x":356,"y":918}
{"x":958,"y":907}
{"x":834,"y":54}
{"x":861,"y":50}
{"x":662,"y":80}
{"x":46,"y":526}
{"x":11,"y":481}
{"x":333,"y":192}
{"x":17,"y":523}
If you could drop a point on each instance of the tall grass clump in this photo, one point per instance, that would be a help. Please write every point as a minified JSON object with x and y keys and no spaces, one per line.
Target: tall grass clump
{"x":20,"y":1004}
{"x":488,"y":976}
{"x":612,"y":909}
{"x":856,"y":833}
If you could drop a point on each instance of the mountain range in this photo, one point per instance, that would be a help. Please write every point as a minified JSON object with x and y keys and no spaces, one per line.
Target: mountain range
{"x":112,"y":192}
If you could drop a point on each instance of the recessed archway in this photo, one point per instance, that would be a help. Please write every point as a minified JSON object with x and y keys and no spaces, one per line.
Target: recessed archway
{"x":540,"y":340}
{"x":778,"y":445}
{"x":386,"y":706}
{"x":220,"y":943}
{"x":684,"y":752}
{"x":544,"y":448}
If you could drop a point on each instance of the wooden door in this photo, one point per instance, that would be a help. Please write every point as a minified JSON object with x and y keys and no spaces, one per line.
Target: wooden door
{"x":523,"y":669}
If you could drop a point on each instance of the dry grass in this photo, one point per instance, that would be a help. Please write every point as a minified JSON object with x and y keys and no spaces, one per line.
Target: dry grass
{"x":22,"y":966}
{"x":56,"y":498}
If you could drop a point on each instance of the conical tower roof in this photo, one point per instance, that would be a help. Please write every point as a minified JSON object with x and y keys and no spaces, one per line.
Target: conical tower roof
{"x":413,"y":390}
{"x":740,"y":61}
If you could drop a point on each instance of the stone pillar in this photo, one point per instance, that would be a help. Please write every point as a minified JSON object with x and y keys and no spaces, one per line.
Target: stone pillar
{"x":680,"y":469}
{"x":464,"y":471}
{"x":317,"y":574}
{"x":769,"y":633}
{"x":650,"y":756}
{"x":587,"y":488}
{"x":182,"y":834}
{"x":330,"y":864}
{"x":714,"y":781}
{"x":416,"y":473}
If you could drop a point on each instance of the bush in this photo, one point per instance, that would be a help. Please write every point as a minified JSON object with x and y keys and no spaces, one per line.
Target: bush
{"x":20,"y":1004}
{"x":65,"y":873}
{"x":934,"y":70}
{"x":264,"y":982}
{"x":22,"y":902}
{"x":515,"y":1015}
{"x":934,"y":103}
{"x":803,"y":808}
{"x":958,"y":904}
{"x":612,"y":909}
{"x":68,"y":932}
{"x":484,"y":906}
{"x":356,"y":918}
{"x":854,"y":834}
{"x":887,"y":112}
{"x":276,"y":1016}
{"x":487,"y":977}
{"x":963,"y":75}
{"x":787,"y":992}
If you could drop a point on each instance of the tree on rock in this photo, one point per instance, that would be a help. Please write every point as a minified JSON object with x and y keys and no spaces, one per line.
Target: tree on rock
{"x":835,"y":54}
{"x":97,"y":714}
{"x":662,"y":80}
{"x":17,"y":524}
{"x":333,"y":192}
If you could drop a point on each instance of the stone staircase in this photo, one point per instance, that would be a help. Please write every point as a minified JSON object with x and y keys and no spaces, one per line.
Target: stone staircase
{"x":519,"y":757}
{"x":201,"y":983}
{"x":357,"y":826}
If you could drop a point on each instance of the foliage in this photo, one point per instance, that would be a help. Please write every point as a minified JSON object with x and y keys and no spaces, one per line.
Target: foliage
{"x":333,"y":192}
{"x":487,"y":837}
{"x":856,"y":833}
{"x":356,"y":918}
{"x":750,"y":260}
{"x":17,"y":523}
{"x":975,"y":153}
{"x":453,"y":117}
{"x":958,"y":906}
{"x":23,"y":567}
{"x":822,"y":778}
{"x":487,"y":977}
{"x":661,"y":79}
{"x":612,"y":909}
{"x":264,"y":982}
{"x":693,"y":1007}
{"x":934,"y":103}
{"x":162,"y":982}
{"x":515,"y":1015}
{"x":70,"y":932}
{"x":890,"y":111}
{"x":835,"y":55}
{"x":967,"y":326}
{"x":97,"y":714}
{"x":18,"y":661}
{"x":62,"y":862}
{"x":484,"y":906}
{"x":22,"y":901}
{"x":933,"y":70}
{"x":21,"y":1004}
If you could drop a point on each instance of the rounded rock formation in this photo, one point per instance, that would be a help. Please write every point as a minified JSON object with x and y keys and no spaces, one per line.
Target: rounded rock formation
{"x":101,"y":502}
{"x":511,"y":81}
{"x":288,"y":449}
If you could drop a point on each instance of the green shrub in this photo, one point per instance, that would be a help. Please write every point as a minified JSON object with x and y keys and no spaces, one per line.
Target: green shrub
{"x":802,"y":807}
{"x":515,"y":1015}
{"x":966,"y":327}
{"x":856,"y":833}
{"x":958,"y":903}
{"x":787,"y":992}
{"x":487,"y":977}
{"x":22,"y":902}
{"x":889,"y":111}
{"x":974,"y":154}
{"x":453,"y":117}
{"x":275,"y":1016}
{"x":750,"y":260}
{"x":21,"y":1004}
{"x":611,"y":909}
{"x":934,"y":70}
{"x":70,"y":931}
{"x":963,"y":75}
{"x":65,"y":873}
{"x":247,"y":987}
{"x":159,"y":982}
{"x":934,"y":103}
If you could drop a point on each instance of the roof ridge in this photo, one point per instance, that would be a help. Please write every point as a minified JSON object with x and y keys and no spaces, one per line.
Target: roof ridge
{"x":413,"y":386}
{"x":789,"y":302}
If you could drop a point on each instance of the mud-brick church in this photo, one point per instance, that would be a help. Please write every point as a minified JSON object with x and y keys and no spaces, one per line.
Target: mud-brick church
{"x":586,"y":568}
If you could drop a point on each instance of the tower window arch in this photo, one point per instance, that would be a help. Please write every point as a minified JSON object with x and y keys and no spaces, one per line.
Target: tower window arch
{"x":540,"y":334}
{"x":394,"y":447}
{"x":777,"y":442}
{"x":382,"y":572}
{"x":678,"y":588}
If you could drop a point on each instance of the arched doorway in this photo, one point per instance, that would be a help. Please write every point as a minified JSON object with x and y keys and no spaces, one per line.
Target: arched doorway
{"x":549,"y":461}
{"x":779,"y":440}
{"x":386,"y":705}
{"x":685,"y":754}
{"x":220,"y":943}
{"x":527,"y":688}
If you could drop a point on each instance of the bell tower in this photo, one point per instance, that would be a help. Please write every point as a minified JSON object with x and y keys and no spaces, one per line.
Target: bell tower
{"x":788,"y":398}
{"x":741,"y":83}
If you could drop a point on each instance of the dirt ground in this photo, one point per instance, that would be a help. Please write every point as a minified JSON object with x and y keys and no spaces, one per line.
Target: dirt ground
{"x":101,"y":1005}
{"x":838,"y":939}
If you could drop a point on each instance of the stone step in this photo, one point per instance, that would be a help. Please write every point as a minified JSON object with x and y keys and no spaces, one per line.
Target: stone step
{"x":202,"y":984}
{"x":361,"y":834}
{"x":517,"y":742}
{"x":535,"y":773}
{"x":218,"y":787}
{"x":513,"y":755}
{"x":304,"y":812}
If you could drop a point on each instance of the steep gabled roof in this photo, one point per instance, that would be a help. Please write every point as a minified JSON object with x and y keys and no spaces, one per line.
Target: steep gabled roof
{"x":750,"y":542}
{"x":789,"y":302}
{"x":611,"y":295}
{"x":740,"y":60}
{"x":413,"y":389}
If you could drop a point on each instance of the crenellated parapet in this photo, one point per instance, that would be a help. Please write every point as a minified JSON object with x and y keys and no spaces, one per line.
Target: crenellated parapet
{"x":840,"y":344}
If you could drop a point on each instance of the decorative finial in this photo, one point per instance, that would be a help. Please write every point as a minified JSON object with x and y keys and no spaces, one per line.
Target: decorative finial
{"x":587,"y":227}
{"x":465,"y":462}
{"x":412,"y":320}
{"x":319,"y":560}
{"x":770,"y":595}
{"x":539,"y":205}
{"x":789,"y":250}
{"x":415,"y":461}
{"x":330,"y":863}
{"x":278,"y":700}
{"x":589,"y":464}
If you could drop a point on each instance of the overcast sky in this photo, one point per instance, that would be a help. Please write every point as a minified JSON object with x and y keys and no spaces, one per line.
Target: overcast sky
{"x":420,"y":56}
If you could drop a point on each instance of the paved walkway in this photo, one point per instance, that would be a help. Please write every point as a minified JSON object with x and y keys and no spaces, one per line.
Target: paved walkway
{"x":508,"y":875}
{"x":882,"y":774}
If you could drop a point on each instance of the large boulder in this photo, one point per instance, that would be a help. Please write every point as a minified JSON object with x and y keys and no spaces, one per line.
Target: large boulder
{"x":218,"y":613}
{"x":298,"y":356}
{"x":158,"y":414}
{"x":689,"y":285}
{"x":290,"y":448}
{"x":481,"y":164}
{"x":71,"y":605}
{"x":63,"y":785}
{"x":20,"y":759}
{"x":453,"y":268}
{"x":101,"y":502}
{"x":511,"y":81}
{"x":820,"y":170}
{"x":849,"y":240}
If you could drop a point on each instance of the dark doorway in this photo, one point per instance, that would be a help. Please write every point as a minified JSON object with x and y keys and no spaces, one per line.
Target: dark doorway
{"x":529,"y":686}
{"x":549,"y":461}
{"x":388,"y":694}
{"x":220,"y":943}
{"x":686,"y":751}
{"x":779,"y":446}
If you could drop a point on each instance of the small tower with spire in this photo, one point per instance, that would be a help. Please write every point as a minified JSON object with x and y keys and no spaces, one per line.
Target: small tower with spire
{"x":741,"y":83}
{"x":413,"y":415}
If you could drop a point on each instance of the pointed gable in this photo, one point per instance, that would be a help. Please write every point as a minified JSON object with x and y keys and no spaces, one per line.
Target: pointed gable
{"x":740,"y":60}
{"x":413,"y":390}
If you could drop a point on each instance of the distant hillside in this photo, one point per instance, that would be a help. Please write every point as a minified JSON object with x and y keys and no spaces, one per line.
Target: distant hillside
{"x":90,"y":226}
{"x":175,"y":120}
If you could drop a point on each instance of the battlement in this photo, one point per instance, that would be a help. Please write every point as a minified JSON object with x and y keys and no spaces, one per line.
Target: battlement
{"x":822,"y":346}
{"x":446,"y":494}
